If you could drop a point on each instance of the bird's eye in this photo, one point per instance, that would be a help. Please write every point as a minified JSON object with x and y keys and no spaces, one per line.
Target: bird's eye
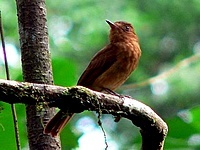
{"x":127,"y":28}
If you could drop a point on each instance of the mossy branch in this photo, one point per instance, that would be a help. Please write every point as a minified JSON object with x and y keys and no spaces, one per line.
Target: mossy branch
{"x":77,"y":99}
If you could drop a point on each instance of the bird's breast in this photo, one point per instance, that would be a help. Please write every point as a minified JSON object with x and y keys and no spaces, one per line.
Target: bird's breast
{"x":127,"y":56}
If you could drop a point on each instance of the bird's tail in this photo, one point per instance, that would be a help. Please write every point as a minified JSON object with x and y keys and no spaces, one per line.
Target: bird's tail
{"x":57,"y":123}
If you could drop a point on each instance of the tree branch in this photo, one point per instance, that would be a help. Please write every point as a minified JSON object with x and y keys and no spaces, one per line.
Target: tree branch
{"x":77,"y":99}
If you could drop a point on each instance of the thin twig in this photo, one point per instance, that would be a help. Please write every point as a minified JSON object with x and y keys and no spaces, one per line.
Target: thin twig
{"x":8,"y":78}
{"x":101,"y":126}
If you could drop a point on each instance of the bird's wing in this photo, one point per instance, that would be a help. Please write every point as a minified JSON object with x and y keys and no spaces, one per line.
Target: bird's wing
{"x":103,"y":60}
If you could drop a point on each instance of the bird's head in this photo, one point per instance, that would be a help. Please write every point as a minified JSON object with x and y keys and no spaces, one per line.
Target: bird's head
{"x":121,"y":31}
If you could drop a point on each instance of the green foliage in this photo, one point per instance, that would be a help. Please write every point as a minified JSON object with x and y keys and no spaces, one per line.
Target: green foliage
{"x":184,"y":130}
{"x":69,"y":139}
{"x":168,"y":33}
{"x":7,"y":136}
{"x":64,"y":72}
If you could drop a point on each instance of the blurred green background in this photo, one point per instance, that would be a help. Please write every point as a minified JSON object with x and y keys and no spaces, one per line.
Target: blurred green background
{"x":169,"y":33}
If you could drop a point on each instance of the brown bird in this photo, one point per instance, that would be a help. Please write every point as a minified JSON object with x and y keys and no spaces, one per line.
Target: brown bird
{"x":108,"y":69}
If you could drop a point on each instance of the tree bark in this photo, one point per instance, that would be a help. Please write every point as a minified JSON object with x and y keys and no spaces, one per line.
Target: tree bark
{"x":36,"y":66}
{"x":77,"y":99}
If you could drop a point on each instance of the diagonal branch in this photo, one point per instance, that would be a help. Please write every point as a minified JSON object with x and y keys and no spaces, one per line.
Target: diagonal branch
{"x":77,"y":99}
{"x":183,"y":63}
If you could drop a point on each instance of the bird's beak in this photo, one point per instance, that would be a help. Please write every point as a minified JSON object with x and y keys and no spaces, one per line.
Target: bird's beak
{"x":111,"y":24}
